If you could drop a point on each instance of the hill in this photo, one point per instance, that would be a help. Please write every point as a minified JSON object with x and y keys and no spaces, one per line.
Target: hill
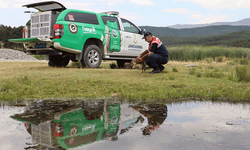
{"x":243,"y":22}
{"x":170,"y":37}
{"x":201,"y":31}
{"x":235,"y":39}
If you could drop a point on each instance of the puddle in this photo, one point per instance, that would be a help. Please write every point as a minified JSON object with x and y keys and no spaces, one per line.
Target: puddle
{"x":121,"y":125}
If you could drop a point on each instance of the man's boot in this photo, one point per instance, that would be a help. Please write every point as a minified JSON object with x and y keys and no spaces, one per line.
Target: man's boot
{"x":162,"y":68}
{"x":156,"y":70}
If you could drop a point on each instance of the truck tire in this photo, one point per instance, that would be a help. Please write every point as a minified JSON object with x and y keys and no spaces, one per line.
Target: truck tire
{"x":58,"y":61}
{"x":92,"y":57}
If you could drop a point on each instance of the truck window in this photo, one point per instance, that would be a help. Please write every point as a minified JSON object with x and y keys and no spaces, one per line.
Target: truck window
{"x":114,"y":20}
{"x":129,"y":27}
{"x":81,"y":17}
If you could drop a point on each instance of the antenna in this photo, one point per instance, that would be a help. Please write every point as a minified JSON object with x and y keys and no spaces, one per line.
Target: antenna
{"x":29,"y":12}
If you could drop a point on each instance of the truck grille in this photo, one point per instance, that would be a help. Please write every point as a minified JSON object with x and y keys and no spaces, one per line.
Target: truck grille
{"x":42,"y":24}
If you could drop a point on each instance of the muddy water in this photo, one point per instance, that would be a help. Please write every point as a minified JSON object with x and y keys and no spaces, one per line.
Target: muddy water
{"x":122,"y":125}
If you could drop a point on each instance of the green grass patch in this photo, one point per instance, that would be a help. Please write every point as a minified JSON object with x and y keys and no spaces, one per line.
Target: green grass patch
{"x":39,"y":57}
{"x":210,"y":67}
{"x":35,"y":80}
{"x":213,"y":74}
{"x":76,"y":64}
{"x":219,"y":59}
{"x":232,"y":63}
{"x":192,"y":71}
{"x":197,"y":53}
{"x":243,"y":73}
{"x":175,"y":69}
{"x":198,"y":75}
{"x":243,"y":61}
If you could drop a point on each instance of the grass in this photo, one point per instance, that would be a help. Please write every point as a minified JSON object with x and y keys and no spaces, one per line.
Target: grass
{"x":175,"y":69}
{"x":243,"y":73}
{"x":39,"y":57}
{"x":197,"y":53}
{"x":35,"y":80}
{"x":76,"y":64}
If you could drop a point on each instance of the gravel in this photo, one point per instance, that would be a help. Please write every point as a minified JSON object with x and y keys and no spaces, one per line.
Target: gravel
{"x":15,"y":55}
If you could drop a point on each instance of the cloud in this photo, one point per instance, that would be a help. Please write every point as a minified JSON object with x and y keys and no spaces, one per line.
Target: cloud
{"x":20,"y":3}
{"x":112,"y":2}
{"x":142,"y":2}
{"x":131,"y":16}
{"x":196,"y":16}
{"x":3,"y":4}
{"x":16,"y":3}
{"x":232,"y":4}
{"x":201,"y":19}
{"x":211,"y":18}
{"x":81,"y":6}
{"x":178,"y":10}
{"x":27,"y":1}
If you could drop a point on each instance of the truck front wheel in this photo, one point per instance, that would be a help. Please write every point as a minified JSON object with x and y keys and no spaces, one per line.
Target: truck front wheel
{"x":58,"y":61}
{"x":92,"y":57}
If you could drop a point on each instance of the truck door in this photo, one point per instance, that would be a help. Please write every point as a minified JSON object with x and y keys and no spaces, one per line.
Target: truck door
{"x":134,"y":44}
{"x":112,"y":34}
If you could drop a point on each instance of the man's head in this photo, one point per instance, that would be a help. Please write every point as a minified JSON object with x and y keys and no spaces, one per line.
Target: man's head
{"x":148,"y":37}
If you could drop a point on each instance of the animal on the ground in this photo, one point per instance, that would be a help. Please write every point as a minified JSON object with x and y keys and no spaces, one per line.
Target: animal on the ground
{"x":112,"y":66}
{"x":135,"y":62}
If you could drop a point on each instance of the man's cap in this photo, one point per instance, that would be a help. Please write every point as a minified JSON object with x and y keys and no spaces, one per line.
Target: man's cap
{"x":146,"y":34}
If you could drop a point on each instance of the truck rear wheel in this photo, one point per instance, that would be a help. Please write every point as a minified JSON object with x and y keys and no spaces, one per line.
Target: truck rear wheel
{"x":58,"y":61}
{"x":92,"y":57}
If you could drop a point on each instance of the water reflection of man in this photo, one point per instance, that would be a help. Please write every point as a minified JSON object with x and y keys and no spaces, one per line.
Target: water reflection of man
{"x":155,"y":113}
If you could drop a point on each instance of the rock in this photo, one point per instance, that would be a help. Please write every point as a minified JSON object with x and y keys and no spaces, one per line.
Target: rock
{"x":9,"y":54}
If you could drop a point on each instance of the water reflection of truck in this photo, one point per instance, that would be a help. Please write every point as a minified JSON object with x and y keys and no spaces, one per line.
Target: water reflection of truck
{"x":69,"y":127}
{"x":75,"y":128}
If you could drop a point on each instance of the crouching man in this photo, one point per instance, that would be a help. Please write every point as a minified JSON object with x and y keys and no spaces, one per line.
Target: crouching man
{"x":158,"y":54}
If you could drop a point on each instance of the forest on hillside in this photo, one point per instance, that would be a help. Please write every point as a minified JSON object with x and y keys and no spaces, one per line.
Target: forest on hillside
{"x":7,"y":32}
{"x":200,"y":31}
{"x":235,"y":39}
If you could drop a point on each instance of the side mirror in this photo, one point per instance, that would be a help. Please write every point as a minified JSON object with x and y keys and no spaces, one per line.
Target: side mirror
{"x":143,"y":31}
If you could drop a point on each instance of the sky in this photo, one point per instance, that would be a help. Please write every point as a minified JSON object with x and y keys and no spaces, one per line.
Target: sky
{"x":159,"y":13}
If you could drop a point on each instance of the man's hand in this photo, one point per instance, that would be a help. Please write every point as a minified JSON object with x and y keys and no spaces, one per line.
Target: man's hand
{"x":138,"y":57}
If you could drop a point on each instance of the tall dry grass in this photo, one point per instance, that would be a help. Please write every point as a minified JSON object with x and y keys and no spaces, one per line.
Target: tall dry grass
{"x":196,"y":53}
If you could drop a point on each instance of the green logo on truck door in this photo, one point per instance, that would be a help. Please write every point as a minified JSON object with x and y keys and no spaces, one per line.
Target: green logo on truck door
{"x":115,"y":34}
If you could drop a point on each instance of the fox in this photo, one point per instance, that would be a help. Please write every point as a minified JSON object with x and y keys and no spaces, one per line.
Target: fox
{"x":135,"y":62}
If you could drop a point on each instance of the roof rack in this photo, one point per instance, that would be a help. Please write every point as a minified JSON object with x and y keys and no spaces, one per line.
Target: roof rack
{"x":111,"y":13}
